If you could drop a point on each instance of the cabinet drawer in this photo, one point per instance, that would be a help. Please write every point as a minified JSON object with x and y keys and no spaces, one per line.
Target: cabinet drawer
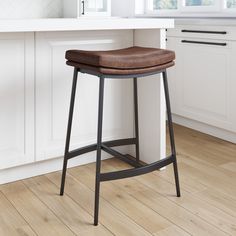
{"x":202,"y":83}
{"x":205,"y":32}
{"x":215,"y":44}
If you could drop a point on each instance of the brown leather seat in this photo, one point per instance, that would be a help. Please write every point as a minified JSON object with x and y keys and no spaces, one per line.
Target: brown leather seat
{"x":133,"y":60}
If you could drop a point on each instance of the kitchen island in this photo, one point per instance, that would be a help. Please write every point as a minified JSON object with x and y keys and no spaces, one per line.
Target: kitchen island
{"x":35,"y":90}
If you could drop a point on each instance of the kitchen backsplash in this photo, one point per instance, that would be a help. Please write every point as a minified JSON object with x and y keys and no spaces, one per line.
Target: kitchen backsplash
{"x":15,"y":9}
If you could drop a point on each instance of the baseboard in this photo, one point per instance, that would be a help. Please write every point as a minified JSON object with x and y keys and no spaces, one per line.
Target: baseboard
{"x":44,"y":167}
{"x":204,"y":128}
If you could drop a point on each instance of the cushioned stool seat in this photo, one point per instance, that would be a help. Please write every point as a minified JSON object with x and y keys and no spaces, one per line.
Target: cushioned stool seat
{"x":133,"y":60}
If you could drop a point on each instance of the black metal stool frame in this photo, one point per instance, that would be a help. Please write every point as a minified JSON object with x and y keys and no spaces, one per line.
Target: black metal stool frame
{"x":140,"y":167}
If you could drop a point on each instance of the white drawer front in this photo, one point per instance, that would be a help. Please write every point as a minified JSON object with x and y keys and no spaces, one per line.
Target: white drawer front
{"x":206,"y":32}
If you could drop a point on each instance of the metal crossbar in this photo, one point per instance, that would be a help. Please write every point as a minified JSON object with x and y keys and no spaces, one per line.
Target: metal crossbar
{"x":136,"y":171}
{"x":120,"y":156}
{"x":93,"y":147}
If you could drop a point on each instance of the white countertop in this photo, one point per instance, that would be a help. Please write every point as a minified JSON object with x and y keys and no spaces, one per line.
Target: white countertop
{"x":221,"y":21}
{"x":63,"y":24}
{"x":206,"y":21}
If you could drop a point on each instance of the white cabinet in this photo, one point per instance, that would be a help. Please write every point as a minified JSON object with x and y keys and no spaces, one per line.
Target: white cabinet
{"x":17,"y":99}
{"x":53,"y":87}
{"x":203,"y":81}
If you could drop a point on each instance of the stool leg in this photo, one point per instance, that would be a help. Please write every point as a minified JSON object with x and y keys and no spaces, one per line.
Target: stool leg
{"x":171,"y":132}
{"x":99,"y":144}
{"x":136,"y":119}
{"x":68,"y":136}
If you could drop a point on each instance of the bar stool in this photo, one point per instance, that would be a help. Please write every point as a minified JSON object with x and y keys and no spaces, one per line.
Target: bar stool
{"x":133,"y":62}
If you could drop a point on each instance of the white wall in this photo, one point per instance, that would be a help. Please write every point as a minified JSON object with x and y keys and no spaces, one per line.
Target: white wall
{"x":127,"y":8}
{"x":30,"y":9}
{"x":15,"y":9}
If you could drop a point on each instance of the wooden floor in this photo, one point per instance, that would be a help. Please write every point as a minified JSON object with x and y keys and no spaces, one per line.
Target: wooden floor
{"x":144,"y":205}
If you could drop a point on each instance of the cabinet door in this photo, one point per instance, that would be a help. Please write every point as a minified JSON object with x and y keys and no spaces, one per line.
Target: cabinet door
{"x":202,"y":82}
{"x":53,"y":88}
{"x":232,"y":87}
{"x":17,"y":99}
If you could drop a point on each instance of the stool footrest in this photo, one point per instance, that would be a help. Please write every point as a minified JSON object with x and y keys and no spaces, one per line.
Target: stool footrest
{"x":81,"y":151}
{"x":137,"y":171}
{"x":120,"y":156}
{"x":93,"y":147}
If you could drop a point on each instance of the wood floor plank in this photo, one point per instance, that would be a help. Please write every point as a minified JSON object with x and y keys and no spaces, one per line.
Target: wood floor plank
{"x":189,"y":184}
{"x":114,"y":220}
{"x":208,"y":168}
{"x":204,"y":147}
{"x":210,"y":195}
{"x":120,"y":199}
{"x":225,"y":200}
{"x":220,"y":200}
{"x":208,"y":176}
{"x":207,"y":212}
{"x":70,"y":213}
{"x":178,"y":215}
{"x":184,"y":218}
{"x":38,"y":216}
{"x":141,"y":206}
{"x":172,"y":231}
{"x":199,"y":207}
{"x":11,"y":222}
{"x":229,"y":166}
{"x":217,"y":208}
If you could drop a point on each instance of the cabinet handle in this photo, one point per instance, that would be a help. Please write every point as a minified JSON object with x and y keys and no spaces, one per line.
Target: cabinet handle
{"x":201,"y":42}
{"x":83,"y":7}
{"x":203,"y":32}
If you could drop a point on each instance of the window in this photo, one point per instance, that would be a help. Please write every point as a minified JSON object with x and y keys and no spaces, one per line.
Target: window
{"x":199,"y":2}
{"x":200,"y":5}
{"x":231,"y":4}
{"x":159,"y":6}
{"x":165,"y":4}
{"x":96,"y":5}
